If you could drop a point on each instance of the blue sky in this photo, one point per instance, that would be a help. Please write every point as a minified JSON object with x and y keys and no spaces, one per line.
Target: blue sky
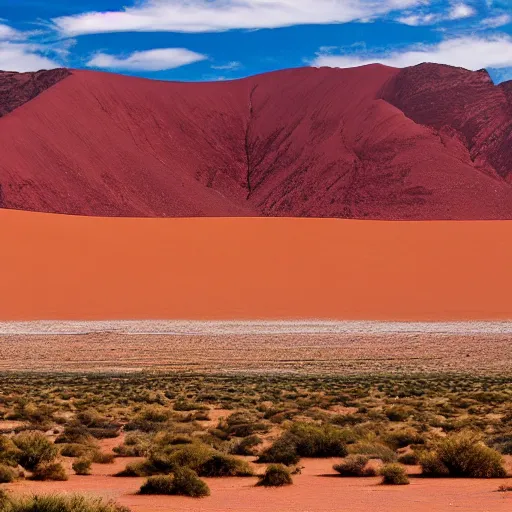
{"x":224,"y":39}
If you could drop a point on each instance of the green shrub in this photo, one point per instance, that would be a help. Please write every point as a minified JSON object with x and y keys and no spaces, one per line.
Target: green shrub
{"x":35,"y":449}
{"x":7,"y":474}
{"x":82,"y":466}
{"x":409,"y":459}
{"x":282,"y":451}
{"x":432,"y":465}
{"x":187,"y":406}
{"x":187,"y":483}
{"x":394,"y":474}
{"x":374,"y":451}
{"x":154,"y":414}
{"x":53,"y":471}
{"x":224,"y":465}
{"x":319,"y":441}
{"x":57,"y":503}
{"x":276,"y":475}
{"x":306,"y":440}
{"x":354,"y":465}
{"x":397,"y":413}
{"x":9,"y":452}
{"x":135,"y":445}
{"x":104,"y":433}
{"x":192,"y":456}
{"x":138,"y":469}
{"x":403,"y":438}
{"x":160,"y":484}
{"x":462,"y":455}
{"x":183,"y":482}
{"x":75,"y":450}
{"x":75,"y":435}
{"x":102,"y":458}
{"x":246,"y":446}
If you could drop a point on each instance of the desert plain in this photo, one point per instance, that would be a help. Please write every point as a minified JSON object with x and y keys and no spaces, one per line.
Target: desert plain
{"x":389,"y":389}
{"x":406,"y":357}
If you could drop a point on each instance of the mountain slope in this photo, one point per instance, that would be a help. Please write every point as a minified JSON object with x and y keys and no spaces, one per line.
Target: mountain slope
{"x":428,"y":142}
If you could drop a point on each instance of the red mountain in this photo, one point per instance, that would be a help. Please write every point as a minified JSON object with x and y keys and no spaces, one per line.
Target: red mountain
{"x":426,"y":142}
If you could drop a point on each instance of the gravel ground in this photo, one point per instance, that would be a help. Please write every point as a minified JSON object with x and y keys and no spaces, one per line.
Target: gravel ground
{"x":221,"y":328}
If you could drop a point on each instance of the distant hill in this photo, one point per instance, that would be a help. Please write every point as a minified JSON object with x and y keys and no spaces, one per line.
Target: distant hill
{"x":426,"y":142}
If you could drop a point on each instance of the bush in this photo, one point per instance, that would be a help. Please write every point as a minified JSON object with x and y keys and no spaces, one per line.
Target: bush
{"x":82,"y":466}
{"x":354,"y":465}
{"x":75,"y":435}
{"x":276,"y":475}
{"x":319,"y":441}
{"x":394,"y":474}
{"x":246,"y":446}
{"x":224,"y":465}
{"x":184,"y":482}
{"x":138,"y":469}
{"x":75,"y":450}
{"x":462,"y":455}
{"x":403,"y":438}
{"x":397,"y":413}
{"x":161,"y":484}
{"x":7,"y":474}
{"x":409,"y":459}
{"x":374,"y":451}
{"x":282,"y":451}
{"x":154,"y":414}
{"x":53,"y":471}
{"x":102,"y":458}
{"x":35,"y":449}
{"x":187,"y":406}
{"x":187,"y":483}
{"x":192,"y":456}
{"x":9,"y":452}
{"x":306,"y":440}
{"x":57,"y":503}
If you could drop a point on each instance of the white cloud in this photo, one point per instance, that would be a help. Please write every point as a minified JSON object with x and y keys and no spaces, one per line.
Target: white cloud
{"x":461,"y":11}
{"x":229,"y":66}
{"x":415,"y":20}
{"x":150,"y":60}
{"x":8,"y":33}
{"x":17,"y":53}
{"x":24,"y":57}
{"x":457,"y":11}
{"x":497,"y":21}
{"x":468,"y":52}
{"x":220,"y":15}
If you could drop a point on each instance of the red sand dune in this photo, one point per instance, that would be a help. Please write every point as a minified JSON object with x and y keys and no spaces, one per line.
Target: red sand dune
{"x":65,"y":267}
{"x":427,"y":142}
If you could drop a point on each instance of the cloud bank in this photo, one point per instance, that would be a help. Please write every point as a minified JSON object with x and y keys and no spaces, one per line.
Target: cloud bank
{"x":221,"y":15}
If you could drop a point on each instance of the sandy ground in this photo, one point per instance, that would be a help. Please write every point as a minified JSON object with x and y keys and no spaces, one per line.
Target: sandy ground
{"x":317,"y":489}
{"x":65,"y":267}
{"x":304,"y":353}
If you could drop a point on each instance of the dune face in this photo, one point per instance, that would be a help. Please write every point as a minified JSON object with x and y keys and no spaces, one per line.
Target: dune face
{"x":429,"y":142}
{"x":87,"y":268}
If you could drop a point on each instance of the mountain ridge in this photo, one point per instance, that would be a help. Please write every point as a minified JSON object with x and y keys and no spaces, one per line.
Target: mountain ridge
{"x":428,"y":142}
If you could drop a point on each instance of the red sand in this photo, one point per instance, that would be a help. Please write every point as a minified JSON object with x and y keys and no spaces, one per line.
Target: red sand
{"x":297,"y":143}
{"x":60,"y":267}
{"x":317,"y":489}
